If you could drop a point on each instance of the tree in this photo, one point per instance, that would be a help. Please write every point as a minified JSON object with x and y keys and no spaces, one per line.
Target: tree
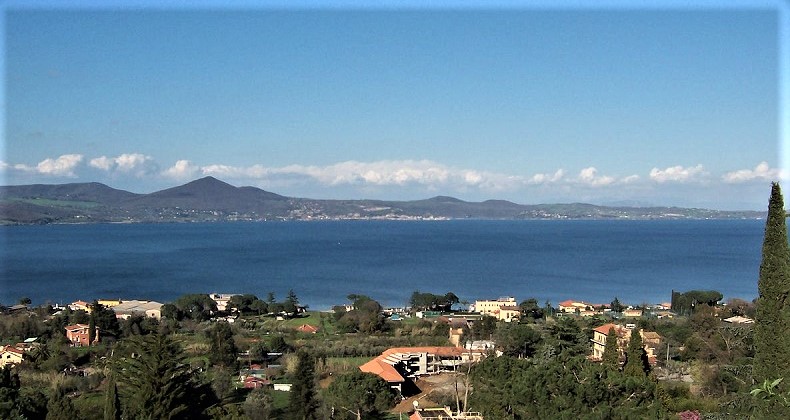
{"x":9,"y":392}
{"x":105,"y":319}
{"x":60,"y":407}
{"x":291,"y":302}
{"x":198,"y":307}
{"x":611,"y":354}
{"x":360,"y":395}
{"x":636,"y":362}
{"x":302,"y":403}
{"x":531,"y":309}
{"x":91,"y":330}
{"x":772,"y":324}
{"x":112,"y":402}
{"x":517,"y":340}
{"x":482,"y":329}
{"x":156,"y":382}
{"x":430,"y":301}
{"x":258,"y":404}
{"x":366,"y":317}
{"x":223,"y":349}
{"x":616,"y":306}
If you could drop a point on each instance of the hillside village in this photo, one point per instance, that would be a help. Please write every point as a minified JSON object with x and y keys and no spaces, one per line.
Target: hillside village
{"x":416,"y":350}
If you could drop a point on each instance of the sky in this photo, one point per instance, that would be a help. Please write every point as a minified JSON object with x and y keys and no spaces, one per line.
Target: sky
{"x":669,"y":103}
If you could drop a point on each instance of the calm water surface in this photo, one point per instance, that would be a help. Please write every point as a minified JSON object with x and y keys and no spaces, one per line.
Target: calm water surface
{"x":323,"y":262}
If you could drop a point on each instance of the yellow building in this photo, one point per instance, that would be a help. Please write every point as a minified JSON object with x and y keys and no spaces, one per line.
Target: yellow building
{"x":10,"y":356}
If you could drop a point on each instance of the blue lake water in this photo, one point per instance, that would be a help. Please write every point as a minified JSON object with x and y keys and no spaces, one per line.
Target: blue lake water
{"x":323,"y":262}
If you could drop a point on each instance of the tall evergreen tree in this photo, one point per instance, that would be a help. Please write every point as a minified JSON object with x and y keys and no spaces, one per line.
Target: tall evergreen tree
{"x":636,"y":363}
{"x":92,"y":330}
{"x":156,"y":382}
{"x":611,"y":354}
{"x":303,"y":404}
{"x":112,"y":403}
{"x":223,"y":347}
{"x":772,"y":326}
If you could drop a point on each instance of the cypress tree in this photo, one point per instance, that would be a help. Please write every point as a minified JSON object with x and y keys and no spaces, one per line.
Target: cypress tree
{"x":92,"y":330}
{"x":611,"y":355}
{"x":772,"y":326}
{"x":112,"y":403}
{"x":636,"y":363}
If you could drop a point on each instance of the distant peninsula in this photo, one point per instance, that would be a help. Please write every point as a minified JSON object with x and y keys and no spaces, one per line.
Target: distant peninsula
{"x":209,"y":199}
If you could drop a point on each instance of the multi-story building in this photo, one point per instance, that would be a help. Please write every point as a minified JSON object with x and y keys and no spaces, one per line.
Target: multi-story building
{"x":79,"y":335}
{"x":503,"y":309}
{"x":650,"y":340}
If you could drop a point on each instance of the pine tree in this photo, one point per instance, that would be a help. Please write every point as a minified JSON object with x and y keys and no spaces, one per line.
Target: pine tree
{"x":303,"y":404}
{"x":772,"y":326}
{"x":636,"y":356}
{"x":611,"y":354}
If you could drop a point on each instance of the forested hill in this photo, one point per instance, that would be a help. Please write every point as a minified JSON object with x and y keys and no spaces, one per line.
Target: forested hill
{"x":209,"y":199}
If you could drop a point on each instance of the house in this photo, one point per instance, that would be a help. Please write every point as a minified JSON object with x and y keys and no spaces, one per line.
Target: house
{"x":399,"y":364}
{"x":571,"y":306}
{"x":427,"y":314}
{"x":632,"y":313}
{"x":739,"y":320}
{"x":109,"y":303}
{"x":222,"y":300}
{"x":443,"y":413}
{"x":28,"y":344}
{"x":78,"y":335}
{"x":146,"y":308}
{"x":457,"y":326}
{"x":508,"y":313}
{"x":307,"y":329}
{"x":253,"y":382}
{"x":492,"y":307}
{"x":80,"y":305}
{"x":650,"y":340}
{"x":10,"y":355}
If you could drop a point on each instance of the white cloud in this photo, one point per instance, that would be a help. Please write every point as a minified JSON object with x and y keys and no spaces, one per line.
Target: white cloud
{"x":376,"y":174}
{"x":182,"y":169}
{"x":590,"y":177}
{"x":630,"y":179}
{"x":677,"y":174}
{"x":61,"y":166}
{"x":104,"y":163}
{"x":762,"y":171}
{"x":547,"y":178}
{"x":137,"y":163}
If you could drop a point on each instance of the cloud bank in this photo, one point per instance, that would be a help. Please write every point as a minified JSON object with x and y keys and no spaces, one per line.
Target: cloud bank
{"x":417,"y":176}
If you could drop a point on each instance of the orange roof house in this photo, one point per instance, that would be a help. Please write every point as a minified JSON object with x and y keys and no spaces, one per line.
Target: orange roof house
{"x":650,"y":339}
{"x":398,"y":364}
{"x":307,"y":329}
{"x":79,"y":335}
{"x":10,"y":355}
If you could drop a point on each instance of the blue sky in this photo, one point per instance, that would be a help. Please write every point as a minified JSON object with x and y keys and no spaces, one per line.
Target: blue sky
{"x":664,"y":105}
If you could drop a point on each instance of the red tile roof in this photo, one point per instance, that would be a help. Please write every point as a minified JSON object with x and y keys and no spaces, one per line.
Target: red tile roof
{"x":382,"y":369}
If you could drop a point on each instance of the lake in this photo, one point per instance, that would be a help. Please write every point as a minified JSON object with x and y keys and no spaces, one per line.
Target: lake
{"x":323,"y":262}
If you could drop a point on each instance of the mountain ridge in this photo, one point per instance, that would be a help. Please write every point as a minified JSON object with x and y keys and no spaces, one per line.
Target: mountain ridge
{"x":210,"y":199}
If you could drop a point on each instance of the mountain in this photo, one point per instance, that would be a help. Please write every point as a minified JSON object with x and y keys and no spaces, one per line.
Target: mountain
{"x":209,"y":199}
{"x":210,"y":193}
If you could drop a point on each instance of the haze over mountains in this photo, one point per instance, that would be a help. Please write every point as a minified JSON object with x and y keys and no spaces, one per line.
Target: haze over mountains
{"x":209,"y":199}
